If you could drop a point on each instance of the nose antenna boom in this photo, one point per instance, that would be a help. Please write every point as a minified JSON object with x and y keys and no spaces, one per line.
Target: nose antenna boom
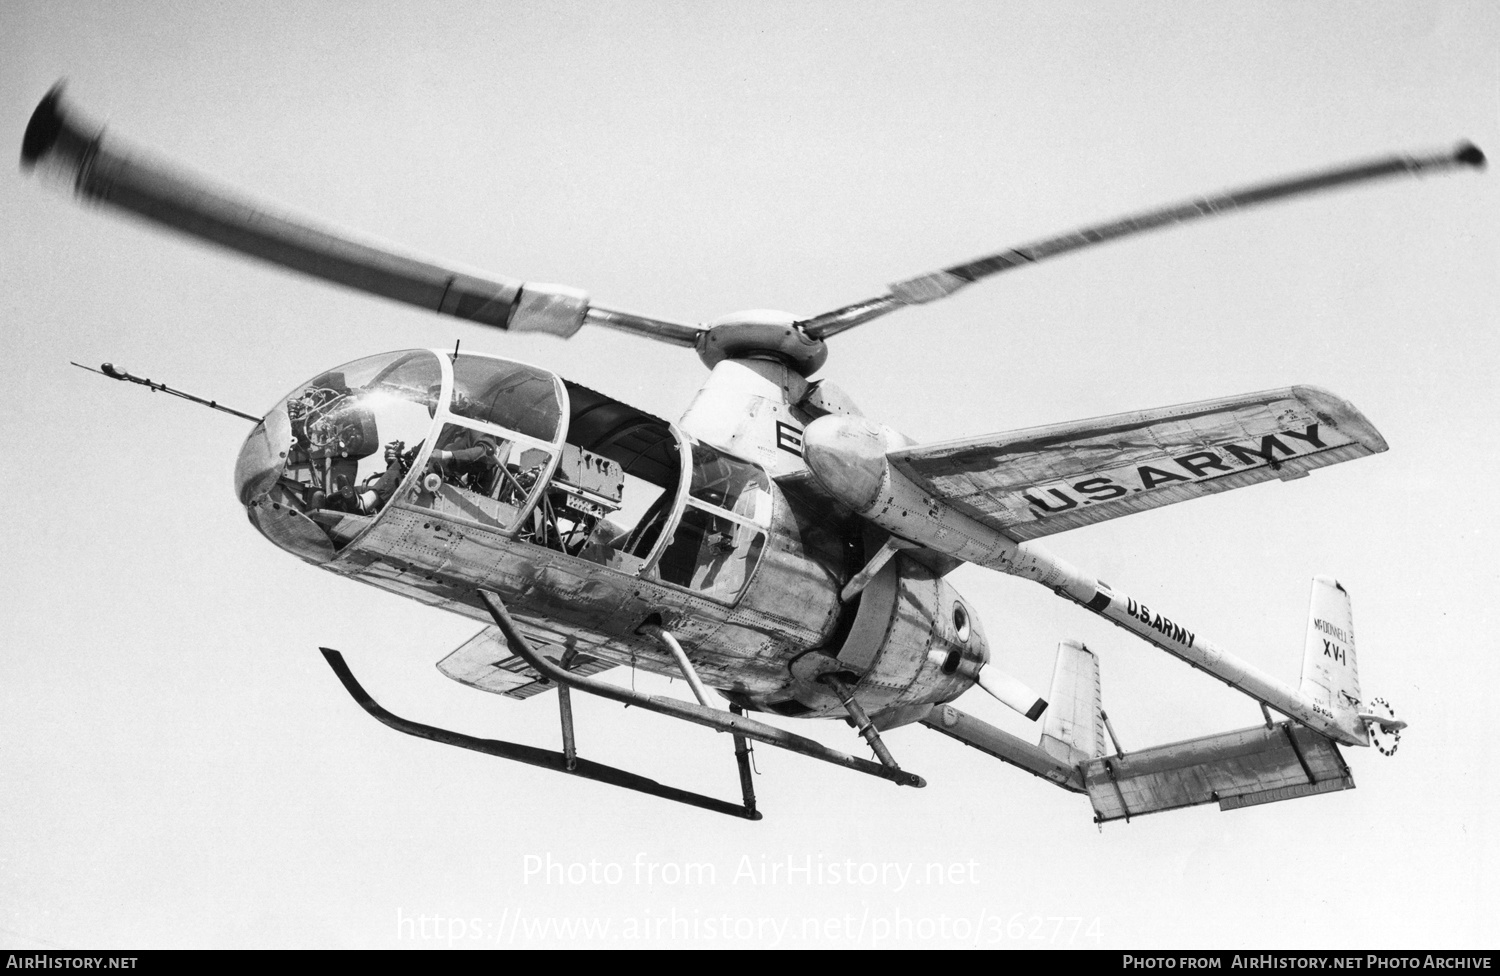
{"x":115,"y":373}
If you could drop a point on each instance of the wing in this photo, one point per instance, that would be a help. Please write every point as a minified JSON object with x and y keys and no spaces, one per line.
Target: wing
{"x":1044,"y":480}
{"x":485,"y":662}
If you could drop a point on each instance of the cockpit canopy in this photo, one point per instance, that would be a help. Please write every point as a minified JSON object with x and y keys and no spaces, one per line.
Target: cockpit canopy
{"x":497,"y":446}
{"x":509,"y":395}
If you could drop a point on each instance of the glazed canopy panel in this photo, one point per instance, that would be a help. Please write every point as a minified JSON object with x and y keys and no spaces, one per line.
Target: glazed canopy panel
{"x":472,"y":439}
{"x":302,"y":469}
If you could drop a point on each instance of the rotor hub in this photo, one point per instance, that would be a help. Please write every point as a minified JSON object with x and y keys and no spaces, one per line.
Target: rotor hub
{"x":761,"y":334}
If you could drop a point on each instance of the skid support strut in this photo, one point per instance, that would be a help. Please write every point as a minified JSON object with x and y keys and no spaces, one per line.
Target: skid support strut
{"x":862,"y":723}
{"x":688,"y":671}
{"x":565,"y":713}
{"x":742,"y":760}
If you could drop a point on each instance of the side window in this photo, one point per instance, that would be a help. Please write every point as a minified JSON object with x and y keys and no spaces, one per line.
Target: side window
{"x":478,"y":475}
{"x":712,"y":554}
{"x":728,"y":483}
{"x":721,"y":535}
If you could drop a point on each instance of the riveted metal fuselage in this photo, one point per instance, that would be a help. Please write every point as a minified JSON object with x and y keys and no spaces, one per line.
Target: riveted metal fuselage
{"x":898,"y":640}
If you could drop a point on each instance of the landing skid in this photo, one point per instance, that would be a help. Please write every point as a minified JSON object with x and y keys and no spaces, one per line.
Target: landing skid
{"x":741,"y":728}
{"x":545,"y":758}
{"x":713,"y":718}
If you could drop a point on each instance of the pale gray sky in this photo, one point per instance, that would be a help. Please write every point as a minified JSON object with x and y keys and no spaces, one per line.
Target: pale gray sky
{"x":179,"y":768}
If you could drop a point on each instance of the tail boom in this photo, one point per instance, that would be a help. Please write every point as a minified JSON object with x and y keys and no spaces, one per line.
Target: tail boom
{"x":1151,"y":625}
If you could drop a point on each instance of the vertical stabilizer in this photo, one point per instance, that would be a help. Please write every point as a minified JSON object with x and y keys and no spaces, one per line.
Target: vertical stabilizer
{"x":1330,"y":671}
{"x":1074,"y":729}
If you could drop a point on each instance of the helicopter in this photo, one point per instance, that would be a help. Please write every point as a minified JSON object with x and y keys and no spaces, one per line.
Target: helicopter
{"x":774,"y":545}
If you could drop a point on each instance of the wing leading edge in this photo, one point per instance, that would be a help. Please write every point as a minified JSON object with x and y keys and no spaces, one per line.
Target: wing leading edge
{"x":1044,"y":480}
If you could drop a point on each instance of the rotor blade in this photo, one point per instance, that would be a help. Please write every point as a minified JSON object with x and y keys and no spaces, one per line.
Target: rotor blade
{"x":940,"y":284}
{"x":107,"y":172}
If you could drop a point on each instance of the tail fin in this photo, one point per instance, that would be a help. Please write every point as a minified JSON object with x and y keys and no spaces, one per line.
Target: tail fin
{"x":1330,"y":670}
{"x":1074,"y":727}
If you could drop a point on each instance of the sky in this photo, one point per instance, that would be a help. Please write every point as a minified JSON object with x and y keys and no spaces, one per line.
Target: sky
{"x":178,"y":766}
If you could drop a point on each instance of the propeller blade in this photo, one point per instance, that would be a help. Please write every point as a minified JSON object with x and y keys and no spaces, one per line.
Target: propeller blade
{"x":105,"y":171}
{"x":940,"y":284}
{"x":1012,"y":692}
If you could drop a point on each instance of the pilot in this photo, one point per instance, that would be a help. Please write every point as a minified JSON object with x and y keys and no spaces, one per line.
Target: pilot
{"x":376,"y":491}
{"x":467,"y":457}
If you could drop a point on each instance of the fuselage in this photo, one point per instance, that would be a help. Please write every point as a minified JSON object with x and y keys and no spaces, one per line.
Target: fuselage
{"x":433,"y":477}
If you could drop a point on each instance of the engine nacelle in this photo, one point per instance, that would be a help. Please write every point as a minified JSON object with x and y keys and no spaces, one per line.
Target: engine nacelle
{"x":914,"y":642}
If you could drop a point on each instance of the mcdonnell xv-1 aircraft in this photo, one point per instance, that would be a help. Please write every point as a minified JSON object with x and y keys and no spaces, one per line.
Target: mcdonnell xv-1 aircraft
{"x":774,"y":544}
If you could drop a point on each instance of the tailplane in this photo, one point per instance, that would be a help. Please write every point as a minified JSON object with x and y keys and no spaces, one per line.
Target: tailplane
{"x":1080,"y":752}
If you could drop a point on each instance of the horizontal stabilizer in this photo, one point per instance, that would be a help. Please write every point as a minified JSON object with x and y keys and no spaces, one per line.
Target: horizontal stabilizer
{"x":485,"y":662}
{"x":1251,"y":766}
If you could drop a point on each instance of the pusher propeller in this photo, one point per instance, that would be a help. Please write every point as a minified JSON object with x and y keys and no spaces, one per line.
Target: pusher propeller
{"x":113,"y":173}
{"x":1011,"y":691}
{"x":934,"y":285}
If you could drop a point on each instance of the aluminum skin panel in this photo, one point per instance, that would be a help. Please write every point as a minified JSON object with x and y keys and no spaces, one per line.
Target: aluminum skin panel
{"x":485,"y":662}
{"x":566,"y":602}
{"x":1234,"y":769}
{"x":1043,"y":480}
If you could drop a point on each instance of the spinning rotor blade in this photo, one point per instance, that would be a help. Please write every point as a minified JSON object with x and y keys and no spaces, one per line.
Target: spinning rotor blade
{"x":940,"y":284}
{"x":104,"y":171}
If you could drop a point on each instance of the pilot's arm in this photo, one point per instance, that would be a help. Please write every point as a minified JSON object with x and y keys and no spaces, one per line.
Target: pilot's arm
{"x":465,"y":455}
{"x":465,"y":448}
